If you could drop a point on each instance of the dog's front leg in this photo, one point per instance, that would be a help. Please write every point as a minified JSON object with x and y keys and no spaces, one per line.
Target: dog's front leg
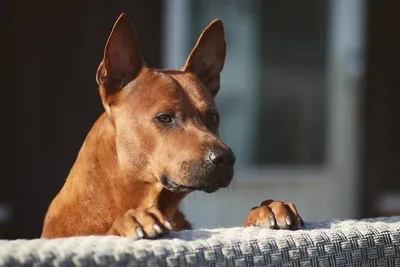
{"x":275,"y":215}
{"x":141,"y":223}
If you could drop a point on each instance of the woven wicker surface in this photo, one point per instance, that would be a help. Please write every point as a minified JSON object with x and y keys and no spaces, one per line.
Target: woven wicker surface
{"x":370,"y":242}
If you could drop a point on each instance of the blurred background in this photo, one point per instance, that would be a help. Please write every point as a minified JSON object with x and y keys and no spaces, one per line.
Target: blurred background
{"x":308,"y":103}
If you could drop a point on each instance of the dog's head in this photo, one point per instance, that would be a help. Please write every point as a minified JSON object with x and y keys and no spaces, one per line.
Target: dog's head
{"x":166,"y":121}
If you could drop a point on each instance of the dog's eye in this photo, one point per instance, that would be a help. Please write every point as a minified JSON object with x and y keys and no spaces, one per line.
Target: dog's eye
{"x":165,"y":118}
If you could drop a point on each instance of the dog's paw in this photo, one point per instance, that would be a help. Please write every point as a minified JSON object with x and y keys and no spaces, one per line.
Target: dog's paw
{"x":141,"y":223}
{"x":275,"y":215}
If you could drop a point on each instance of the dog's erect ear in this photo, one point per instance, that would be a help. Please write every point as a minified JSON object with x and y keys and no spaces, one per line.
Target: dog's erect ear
{"x":208,"y":56}
{"x":122,"y":60}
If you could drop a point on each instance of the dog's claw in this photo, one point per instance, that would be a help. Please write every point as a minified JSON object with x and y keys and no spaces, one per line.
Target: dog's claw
{"x":272,"y":222}
{"x":168,"y":225}
{"x":300,"y":221}
{"x":283,"y":225}
{"x":288,"y":220}
{"x":139,"y":232}
{"x":158,"y":229}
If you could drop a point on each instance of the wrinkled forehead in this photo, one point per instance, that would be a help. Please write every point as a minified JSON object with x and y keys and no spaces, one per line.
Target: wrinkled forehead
{"x":175,"y":88}
{"x":194,"y":90}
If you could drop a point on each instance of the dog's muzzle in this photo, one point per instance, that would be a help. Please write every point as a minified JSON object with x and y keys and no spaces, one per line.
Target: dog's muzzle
{"x":215,"y":172}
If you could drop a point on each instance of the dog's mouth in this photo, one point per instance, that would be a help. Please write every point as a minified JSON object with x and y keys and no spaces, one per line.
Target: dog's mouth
{"x":171,"y":185}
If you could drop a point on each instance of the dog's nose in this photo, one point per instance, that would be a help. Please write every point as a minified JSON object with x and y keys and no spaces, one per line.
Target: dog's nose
{"x":222,"y":157}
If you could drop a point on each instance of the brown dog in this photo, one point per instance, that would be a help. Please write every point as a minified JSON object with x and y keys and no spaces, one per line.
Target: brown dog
{"x":156,"y":142}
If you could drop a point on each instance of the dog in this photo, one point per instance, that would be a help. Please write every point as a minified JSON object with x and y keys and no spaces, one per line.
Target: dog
{"x":156,"y":141}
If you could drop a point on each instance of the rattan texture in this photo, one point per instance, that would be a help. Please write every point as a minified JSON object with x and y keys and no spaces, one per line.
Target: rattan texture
{"x":368,"y":242}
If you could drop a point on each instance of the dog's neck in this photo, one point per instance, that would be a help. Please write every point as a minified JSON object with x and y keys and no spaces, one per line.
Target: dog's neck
{"x":106,"y":184}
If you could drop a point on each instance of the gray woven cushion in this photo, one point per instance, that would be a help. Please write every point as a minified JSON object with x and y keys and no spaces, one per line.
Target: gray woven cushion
{"x":370,"y":242}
